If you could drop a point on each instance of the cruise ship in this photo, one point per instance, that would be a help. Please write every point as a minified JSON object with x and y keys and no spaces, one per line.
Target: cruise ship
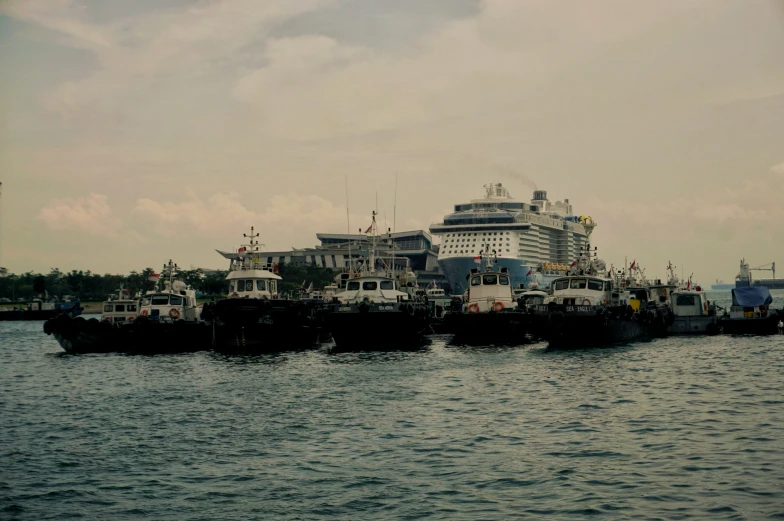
{"x":534,"y":241}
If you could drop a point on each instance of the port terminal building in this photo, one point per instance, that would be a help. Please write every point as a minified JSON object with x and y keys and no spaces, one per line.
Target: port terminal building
{"x":336,"y":251}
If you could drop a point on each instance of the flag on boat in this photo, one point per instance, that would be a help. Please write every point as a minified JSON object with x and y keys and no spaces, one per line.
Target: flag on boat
{"x":633,"y":265}
{"x":241,"y":250}
{"x":688,"y":284}
{"x":154,"y":277}
{"x":369,"y":228}
{"x":478,"y":259}
{"x":574,"y":263}
{"x":530,"y":271}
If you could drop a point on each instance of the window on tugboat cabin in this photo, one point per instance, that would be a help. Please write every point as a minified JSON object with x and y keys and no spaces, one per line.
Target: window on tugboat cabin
{"x":595,"y":284}
{"x":231,"y":287}
{"x":387,"y":284}
{"x":160,"y":300}
{"x":608,"y":286}
{"x":131,"y":307}
{"x":577,"y":284}
{"x":503,"y":280}
{"x":489,"y":280}
{"x":686,"y":300}
{"x":353,"y":285}
{"x":261,"y":285}
{"x":561,"y":284}
{"x":108,"y":308}
{"x":175,"y":300}
{"x":476,"y":281}
{"x":248,"y":285}
{"x":120,"y":308}
{"x":240,"y":286}
{"x":370,"y":286}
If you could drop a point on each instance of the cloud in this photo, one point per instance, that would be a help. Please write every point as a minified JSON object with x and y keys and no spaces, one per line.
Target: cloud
{"x":285,"y":221}
{"x":778,"y":169}
{"x":90,"y":214}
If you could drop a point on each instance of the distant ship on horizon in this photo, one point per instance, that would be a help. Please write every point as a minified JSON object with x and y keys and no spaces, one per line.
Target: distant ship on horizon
{"x":743,"y":278}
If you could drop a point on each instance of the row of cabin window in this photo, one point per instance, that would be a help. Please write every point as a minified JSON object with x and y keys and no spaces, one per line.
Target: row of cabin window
{"x":162,"y":300}
{"x":119,"y":308}
{"x":370,"y":285}
{"x":490,"y":280}
{"x":593,"y":284}
{"x":247,"y":285}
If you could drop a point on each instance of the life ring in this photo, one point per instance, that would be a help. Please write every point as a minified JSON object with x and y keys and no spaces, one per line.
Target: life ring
{"x":586,"y":302}
{"x":498,"y":306}
{"x":145,"y":312}
{"x":473,"y":308}
{"x":130,"y":319}
{"x":174,"y":313}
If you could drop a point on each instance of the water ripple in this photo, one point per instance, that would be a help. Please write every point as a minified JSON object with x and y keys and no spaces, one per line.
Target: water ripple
{"x":671,"y":429}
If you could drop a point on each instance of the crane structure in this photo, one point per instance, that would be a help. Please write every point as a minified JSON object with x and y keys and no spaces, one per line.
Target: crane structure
{"x":771,"y":266}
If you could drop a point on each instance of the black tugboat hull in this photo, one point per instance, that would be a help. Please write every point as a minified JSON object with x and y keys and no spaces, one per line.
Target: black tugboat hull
{"x":256,"y":325}
{"x":378,"y":326}
{"x":572,"y":327}
{"x":502,"y":327}
{"x":751,"y":326}
{"x":583,"y":331}
{"x":142,"y":336}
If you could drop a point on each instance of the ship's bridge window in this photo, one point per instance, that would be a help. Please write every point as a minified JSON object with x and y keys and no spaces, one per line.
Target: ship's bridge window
{"x":231,"y":287}
{"x":686,"y":300}
{"x":503,"y":280}
{"x":175,"y":300}
{"x":369,"y":285}
{"x":353,"y":285}
{"x":578,"y":284}
{"x":119,"y":308}
{"x":475,"y":281}
{"x":248,"y":285}
{"x":261,"y":285}
{"x":489,"y":280}
{"x":595,"y":284}
{"x":608,"y":286}
{"x":160,"y":300}
{"x":240,"y":285}
{"x":108,"y":308}
{"x":387,"y":284}
{"x":561,"y":284}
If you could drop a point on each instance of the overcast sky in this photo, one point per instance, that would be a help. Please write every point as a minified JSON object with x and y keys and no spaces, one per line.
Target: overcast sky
{"x":135,"y":132}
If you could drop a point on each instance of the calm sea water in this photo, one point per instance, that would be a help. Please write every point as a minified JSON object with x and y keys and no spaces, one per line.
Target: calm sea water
{"x":671,"y":429}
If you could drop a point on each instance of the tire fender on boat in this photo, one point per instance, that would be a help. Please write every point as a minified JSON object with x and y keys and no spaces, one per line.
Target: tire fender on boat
{"x":410,"y":309}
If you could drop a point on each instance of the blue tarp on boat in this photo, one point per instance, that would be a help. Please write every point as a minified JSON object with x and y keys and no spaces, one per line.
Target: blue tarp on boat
{"x":751,"y":296}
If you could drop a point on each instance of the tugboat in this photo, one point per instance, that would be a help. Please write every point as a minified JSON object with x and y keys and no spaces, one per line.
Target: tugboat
{"x":155,"y":330}
{"x":175,"y":301}
{"x":692,"y":313}
{"x":254,"y":318}
{"x":591,"y":307}
{"x":490,"y":312}
{"x":750,"y":312}
{"x":372,"y":311}
{"x":120,"y":308}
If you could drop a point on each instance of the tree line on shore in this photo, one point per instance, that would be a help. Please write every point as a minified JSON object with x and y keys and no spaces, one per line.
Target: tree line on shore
{"x":89,"y":286}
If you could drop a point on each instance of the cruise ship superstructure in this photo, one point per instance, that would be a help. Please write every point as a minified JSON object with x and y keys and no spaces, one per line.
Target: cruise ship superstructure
{"x":534,"y":241}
